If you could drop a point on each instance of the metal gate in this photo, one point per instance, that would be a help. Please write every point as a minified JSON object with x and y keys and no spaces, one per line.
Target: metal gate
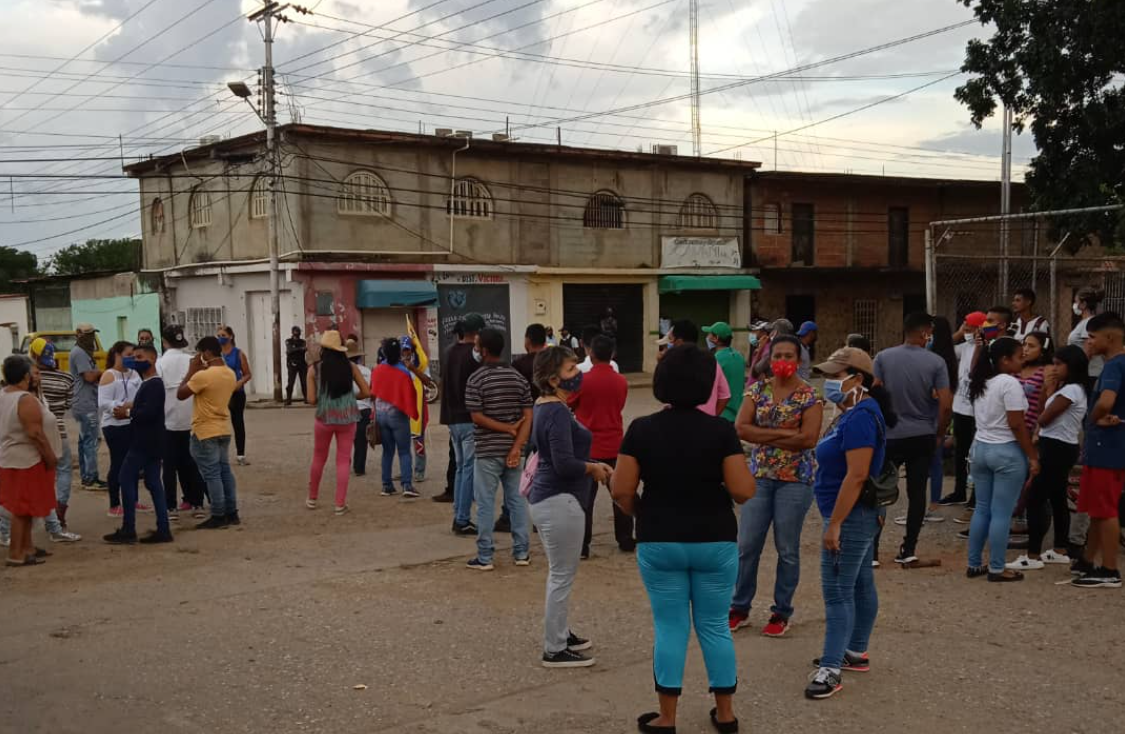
{"x":584,"y":304}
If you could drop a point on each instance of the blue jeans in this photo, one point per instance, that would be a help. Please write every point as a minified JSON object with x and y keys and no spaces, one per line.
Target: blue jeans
{"x":63,"y":478}
{"x":848,"y":585}
{"x":212,"y":457}
{"x":465,"y":455}
{"x":999,"y":471}
{"x":690,"y":583}
{"x":784,"y":505}
{"x":394,"y":428}
{"x":136,"y":462}
{"x":488,"y":472}
{"x":89,"y":433}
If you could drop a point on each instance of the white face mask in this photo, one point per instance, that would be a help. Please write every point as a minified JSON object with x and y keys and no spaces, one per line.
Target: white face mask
{"x":1077,"y":310}
{"x":477,"y":356}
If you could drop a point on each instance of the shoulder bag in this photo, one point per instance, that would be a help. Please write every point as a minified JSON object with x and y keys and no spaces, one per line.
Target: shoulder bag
{"x":881,"y":490}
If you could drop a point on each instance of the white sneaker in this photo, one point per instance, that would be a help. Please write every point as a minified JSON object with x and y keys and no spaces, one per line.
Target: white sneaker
{"x":242,"y":461}
{"x":65,"y":536}
{"x":932,"y":516}
{"x":900,"y":520}
{"x":1050,"y":557}
{"x":1023,"y":563}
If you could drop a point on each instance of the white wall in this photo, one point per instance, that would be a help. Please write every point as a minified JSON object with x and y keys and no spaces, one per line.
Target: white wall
{"x":13,"y":309}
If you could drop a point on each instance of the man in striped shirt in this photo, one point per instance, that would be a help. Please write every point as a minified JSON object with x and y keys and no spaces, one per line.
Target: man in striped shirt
{"x":498,"y":399}
{"x":57,"y":389}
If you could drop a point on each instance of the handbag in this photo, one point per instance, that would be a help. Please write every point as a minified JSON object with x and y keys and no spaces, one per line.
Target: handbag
{"x":881,"y":490}
{"x":530,"y":467}
{"x":374,"y":435}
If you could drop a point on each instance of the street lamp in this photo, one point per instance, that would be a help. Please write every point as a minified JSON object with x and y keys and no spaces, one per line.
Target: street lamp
{"x":239,"y":89}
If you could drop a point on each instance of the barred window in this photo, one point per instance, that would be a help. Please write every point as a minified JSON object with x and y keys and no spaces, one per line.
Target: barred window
{"x":865,"y":313}
{"x":156,"y":222}
{"x":200,"y":207}
{"x":365,"y":194}
{"x":260,"y":198}
{"x":201,"y":322}
{"x":604,"y":210}
{"x":698,"y":212}
{"x":471,"y":200}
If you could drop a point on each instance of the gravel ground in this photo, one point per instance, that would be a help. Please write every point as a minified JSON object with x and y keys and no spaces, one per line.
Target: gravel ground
{"x":274,"y":625}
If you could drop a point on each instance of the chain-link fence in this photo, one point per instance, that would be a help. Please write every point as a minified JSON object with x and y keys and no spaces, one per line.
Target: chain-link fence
{"x":974,"y":264}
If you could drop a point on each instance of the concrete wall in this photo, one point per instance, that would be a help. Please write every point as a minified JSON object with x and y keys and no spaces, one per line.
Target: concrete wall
{"x":117,"y":305}
{"x":13,"y":310}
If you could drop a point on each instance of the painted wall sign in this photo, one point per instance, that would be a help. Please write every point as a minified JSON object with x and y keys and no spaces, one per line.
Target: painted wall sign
{"x":700,"y":252}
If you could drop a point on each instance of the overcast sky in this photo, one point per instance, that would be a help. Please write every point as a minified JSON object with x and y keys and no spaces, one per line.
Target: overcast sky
{"x":76,"y":74}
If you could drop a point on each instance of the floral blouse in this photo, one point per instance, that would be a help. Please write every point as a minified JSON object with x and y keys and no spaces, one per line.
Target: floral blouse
{"x":770,"y":462}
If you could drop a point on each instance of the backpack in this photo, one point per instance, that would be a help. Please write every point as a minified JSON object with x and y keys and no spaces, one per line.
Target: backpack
{"x":881,"y":490}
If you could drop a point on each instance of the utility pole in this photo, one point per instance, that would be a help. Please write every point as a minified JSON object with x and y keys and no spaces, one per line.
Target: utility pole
{"x":266,"y":15}
{"x":1005,"y":199}
{"x":696,"y":135}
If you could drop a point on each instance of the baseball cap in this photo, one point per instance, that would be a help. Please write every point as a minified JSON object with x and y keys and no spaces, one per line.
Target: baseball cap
{"x":721,"y":329}
{"x":84,"y":328}
{"x":759,"y":325}
{"x":976,"y":319}
{"x":845,"y":358}
{"x":781,"y":326}
{"x":806,"y":328}
{"x":36,"y":347}
{"x":472,"y":322}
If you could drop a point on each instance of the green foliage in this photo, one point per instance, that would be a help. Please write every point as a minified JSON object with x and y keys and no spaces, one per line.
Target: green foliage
{"x":16,"y":265}
{"x":95,"y":256}
{"x":1058,"y":65}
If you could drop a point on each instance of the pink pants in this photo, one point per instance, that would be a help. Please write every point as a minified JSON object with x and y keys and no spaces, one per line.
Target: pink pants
{"x":345,"y":438}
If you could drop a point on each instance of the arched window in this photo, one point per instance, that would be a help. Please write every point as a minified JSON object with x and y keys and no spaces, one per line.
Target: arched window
{"x":364,"y":193}
{"x":156,"y":220}
{"x":698,"y":212}
{"x":604,"y":210}
{"x":200,"y":207}
{"x":471,"y":200}
{"x":260,"y":198}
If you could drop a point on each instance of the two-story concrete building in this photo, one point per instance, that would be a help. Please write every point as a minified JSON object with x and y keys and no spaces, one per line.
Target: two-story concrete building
{"x":375,"y":226}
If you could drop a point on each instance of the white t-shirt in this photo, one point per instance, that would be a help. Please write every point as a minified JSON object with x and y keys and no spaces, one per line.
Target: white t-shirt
{"x":1067,"y":426}
{"x":1078,"y":339}
{"x":366,"y":403}
{"x":1002,"y":394}
{"x":173,"y":366}
{"x":1021,"y":329}
{"x":588,"y":365}
{"x":964,"y":352}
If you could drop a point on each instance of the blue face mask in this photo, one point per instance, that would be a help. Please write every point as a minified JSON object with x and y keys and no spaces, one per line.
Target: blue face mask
{"x":712,"y":345}
{"x":834,"y":391}
{"x":753,"y":340}
{"x":141,"y":365}
{"x":224,"y":340}
{"x":573,"y":384}
{"x":129,"y":363}
{"x":930,"y":344}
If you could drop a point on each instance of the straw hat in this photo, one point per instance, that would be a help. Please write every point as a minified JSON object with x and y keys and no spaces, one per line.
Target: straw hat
{"x":331,"y":340}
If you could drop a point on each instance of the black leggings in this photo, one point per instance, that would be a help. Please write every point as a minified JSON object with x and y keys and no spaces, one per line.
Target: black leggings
{"x":1049,"y":488}
{"x":964,"y":430}
{"x":237,"y":407}
{"x":117,"y":440}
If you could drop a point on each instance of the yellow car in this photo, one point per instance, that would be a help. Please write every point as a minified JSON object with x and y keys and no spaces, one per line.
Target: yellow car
{"x":64,"y":341}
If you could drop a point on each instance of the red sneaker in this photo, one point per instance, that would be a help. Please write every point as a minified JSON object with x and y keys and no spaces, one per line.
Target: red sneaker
{"x":776,"y":627}
{"x":118,"y":511}
{"x":738,"y":620}
{"x":185,"y":507}
{"x":141,"y":507}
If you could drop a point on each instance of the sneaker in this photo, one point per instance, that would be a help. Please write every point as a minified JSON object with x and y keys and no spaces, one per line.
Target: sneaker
{"x":185,"y":507}
{"x":215,"y":522}
{"x":503,"y":525}
{"x":964,"y":518}
{"x":900,"y":520}
{"x":776,"y":627}
{"x":198,"y":512}
{"x":574,"y":643}
{"x":478,"y":565}
{"x":156,"y":537}
{"x":342,"y":510}
{"x":953,"y":499}
{"x":525,"y":561}
{"x":410,"y":494}
{"x":388,"y":492}
{"x":1050,"y":557}
{"x":964,"y":534}
{"x":875,"y":563}
{"x":567,"y":659}
{"x":444,"y":498}
{"x":233,"y":518}
{"x":64,"y":536}
{"x":738,"y":620}
{"x":120,"y":537}
{"x":1023,"y":563}
{"x":242,"y":461}
{"x":1080,"y":567}
{"x":466,"y":530}
{"x":904,"y":557}
{"x":1099,"y":577}
{"x":143,"y":507}
{"x":95,"y":485}
{"x":116,"y":512}
{"x":825,"y":684}
{"x":173,"y":515}
{"x":852,"y":662}
{"x":310,"y":503}
{"x":932,"y":516}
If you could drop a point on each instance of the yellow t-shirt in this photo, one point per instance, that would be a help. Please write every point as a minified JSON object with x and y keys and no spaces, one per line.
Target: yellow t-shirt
{"x":210,"y":416}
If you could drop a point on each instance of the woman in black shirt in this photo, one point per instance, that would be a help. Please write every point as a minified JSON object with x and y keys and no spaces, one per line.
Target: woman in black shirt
{"x":692,"y":466}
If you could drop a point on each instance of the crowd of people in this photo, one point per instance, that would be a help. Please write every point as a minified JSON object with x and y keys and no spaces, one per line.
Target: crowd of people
{"x":739,"y":447}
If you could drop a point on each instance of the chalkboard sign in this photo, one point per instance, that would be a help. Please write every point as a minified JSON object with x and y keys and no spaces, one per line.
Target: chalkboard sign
{"x":457,"y":300}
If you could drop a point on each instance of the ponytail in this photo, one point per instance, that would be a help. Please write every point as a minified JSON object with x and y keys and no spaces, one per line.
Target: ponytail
{"x":987,"y":362}
{"x":880,"y":395}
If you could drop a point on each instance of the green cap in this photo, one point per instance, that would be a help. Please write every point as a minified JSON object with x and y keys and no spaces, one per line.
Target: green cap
{"x":721,"y":329}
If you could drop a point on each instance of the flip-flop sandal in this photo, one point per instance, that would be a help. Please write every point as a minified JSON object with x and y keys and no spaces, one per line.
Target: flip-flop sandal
{"x":647,"y":728}
{"x":976,"y":572}
{"x":723,"y":727}
{"x":42,"y":553}
{"x":1001,"y":578}
{"x":29,"y":561}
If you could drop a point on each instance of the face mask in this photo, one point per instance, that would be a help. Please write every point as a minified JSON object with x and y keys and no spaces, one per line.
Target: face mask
{"x":754,"y":340}
{"x":783,"y":368}
{"x":477,"y":356}
{"x":141,"y":365}
{"x":224,"y":340}
{"x":1077,"y":310}
{"x":930,"y":344}
{"x":834,"y":391}
{"x":572,"y":384}
{"x":712,"y":345}
{"x":144,"y":341}
{"x":129,"y":363}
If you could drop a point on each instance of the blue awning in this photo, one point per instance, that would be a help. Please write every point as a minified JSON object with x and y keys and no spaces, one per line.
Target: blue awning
{"x":388,"y":293}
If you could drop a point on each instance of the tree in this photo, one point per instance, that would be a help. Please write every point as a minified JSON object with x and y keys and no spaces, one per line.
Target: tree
{"x":16,"y":265}
{"x":97,"y":256}
{"x":1057,"y":65}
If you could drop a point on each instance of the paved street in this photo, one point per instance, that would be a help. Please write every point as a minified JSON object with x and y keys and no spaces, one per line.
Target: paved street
{"x":272,"y":626}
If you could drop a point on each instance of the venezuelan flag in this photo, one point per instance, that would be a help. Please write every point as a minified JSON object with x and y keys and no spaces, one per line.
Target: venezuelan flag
{"x":417,"y":425}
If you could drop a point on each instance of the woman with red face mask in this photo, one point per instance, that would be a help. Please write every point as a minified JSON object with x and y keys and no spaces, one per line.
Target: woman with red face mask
{"x":781,"y":418}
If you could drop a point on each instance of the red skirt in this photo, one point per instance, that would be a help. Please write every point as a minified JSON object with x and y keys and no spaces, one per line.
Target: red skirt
{"x":25,"y":492}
